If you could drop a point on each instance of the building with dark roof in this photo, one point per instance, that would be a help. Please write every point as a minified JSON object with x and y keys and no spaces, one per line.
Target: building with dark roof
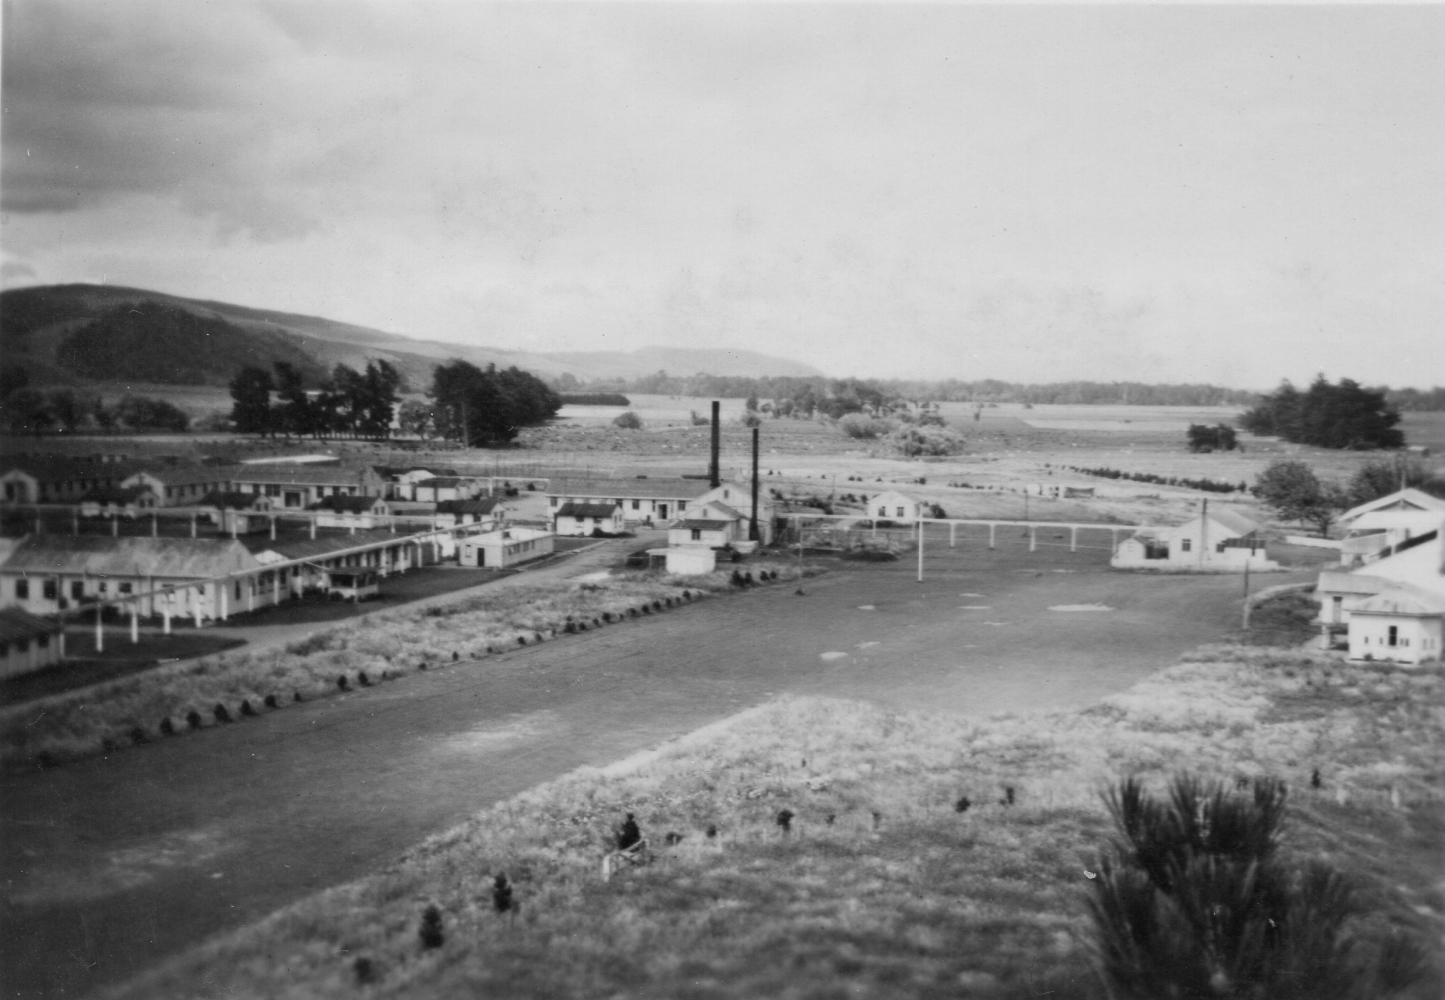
{"x":582,"y":518}
{"x":27,"y":642}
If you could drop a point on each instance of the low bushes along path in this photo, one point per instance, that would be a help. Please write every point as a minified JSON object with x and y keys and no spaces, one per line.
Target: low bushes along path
{"x":113,"y":863}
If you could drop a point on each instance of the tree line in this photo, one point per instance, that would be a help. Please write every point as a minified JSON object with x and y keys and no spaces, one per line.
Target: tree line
{"x":799,"y":389}
{"x":26,"y":410}
{"x":349,"y":403}
{"x":477,"y":407}
{"x":1296,"y":493}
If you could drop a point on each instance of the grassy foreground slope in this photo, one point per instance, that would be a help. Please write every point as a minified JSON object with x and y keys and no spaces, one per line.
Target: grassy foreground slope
{"x":882,"y":887}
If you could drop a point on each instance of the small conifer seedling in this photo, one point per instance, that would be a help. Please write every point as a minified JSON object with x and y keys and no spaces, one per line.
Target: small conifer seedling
{"x":221,"y":713}
{"x":502,"y":900}
{"x":785,"y":820}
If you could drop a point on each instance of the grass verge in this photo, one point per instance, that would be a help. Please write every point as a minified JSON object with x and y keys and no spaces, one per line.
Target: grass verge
{"x":170,"y":700}
{"x":925,"y":855}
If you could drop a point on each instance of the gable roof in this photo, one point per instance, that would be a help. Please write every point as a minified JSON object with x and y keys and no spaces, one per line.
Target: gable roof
{"x":726,"y":510}
{"x":348,"y":504}
{"x":599,"y":510}
{"x":313,"y":475}
{"x":444,"y":482}
{"x":235,"y":500}
{"x":899,"y":494}
{"x":116,"y":494}
{"x":189,"y":475}
{"x":480,"y":505}
{"x":323,"y":545}
{"x":1402,"y":599}
{"x":701,"y":524}
{"x":1406,"y":499}
{"x":629,"y":489}
{"x":1341,"y":582}
{"x":1233,"y":520}
{"x":104,"y":555}
{"x":17,"y":623}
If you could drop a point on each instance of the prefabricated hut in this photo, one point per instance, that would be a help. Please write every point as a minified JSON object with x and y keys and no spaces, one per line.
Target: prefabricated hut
{"x":1402,"y":624}
{"x":507,"y":547}
{"x":585,"y":518}
{"x":1219,"y":541}
{"x":27,"y":642}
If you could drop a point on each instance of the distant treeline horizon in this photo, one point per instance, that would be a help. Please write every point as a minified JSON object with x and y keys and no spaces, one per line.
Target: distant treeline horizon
{"x":1080,"y":393}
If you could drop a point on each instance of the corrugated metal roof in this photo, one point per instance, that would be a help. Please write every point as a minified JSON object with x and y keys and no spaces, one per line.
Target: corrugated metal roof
{"x":324,"y":545}
{"x":481,"y":505}
{"x":100,"y":555}
{"x":1340,"y":582}
{"x":1406,"y":499}
{"x":1403,"y":599}
{"x":600,"y":510}
{"x":704,"y":525}
{"x":630,"y":489}
{"x":17,"y":623}
{"x":1233,"y":520}
{"x":305,"y":476}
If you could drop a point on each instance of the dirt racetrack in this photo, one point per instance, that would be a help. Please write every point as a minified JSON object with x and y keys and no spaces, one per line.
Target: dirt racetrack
{"x":111,"y":864}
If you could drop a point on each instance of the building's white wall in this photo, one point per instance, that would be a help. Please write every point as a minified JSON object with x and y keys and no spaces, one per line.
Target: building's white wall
{"x":681,"y":536}
{"x":1417,"y":639}
{"x":691,"y":560}
{"x":39,"y":652}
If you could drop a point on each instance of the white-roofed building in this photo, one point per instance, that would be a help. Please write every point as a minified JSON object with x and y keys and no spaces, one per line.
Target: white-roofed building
{"x":1220,"y":540}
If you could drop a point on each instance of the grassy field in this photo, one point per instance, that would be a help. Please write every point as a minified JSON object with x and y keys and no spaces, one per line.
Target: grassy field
{"x":879,"y":886}
{"x":373,"y":649}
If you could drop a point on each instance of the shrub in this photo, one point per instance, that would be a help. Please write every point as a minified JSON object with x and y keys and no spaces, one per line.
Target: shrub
{"x":193,"y":719}
{"x":270,"y":701}
{"x":342,"y":682}
{"x":221,"y":712}
{"x":914,"y":441}
{"x":1195,"y":902}
{"x":501,"y":893}
{"x":628,"y":421}
{"x":246,"y":708}
{"x":430,"y":930}
{"x":863,"y":427}
{"x":167,"y":727}
{"x":138,"y":736}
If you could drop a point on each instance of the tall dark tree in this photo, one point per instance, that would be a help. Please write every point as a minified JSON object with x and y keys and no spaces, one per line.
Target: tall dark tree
{"x":294,"y":413}
{"x":488,"y":407}
{"x":251,"y":396}
{"x":1346,"y":415}
{"x":381,"y":384}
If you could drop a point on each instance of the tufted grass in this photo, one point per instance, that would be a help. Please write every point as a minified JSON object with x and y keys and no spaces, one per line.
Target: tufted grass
{"x":900,"y":895}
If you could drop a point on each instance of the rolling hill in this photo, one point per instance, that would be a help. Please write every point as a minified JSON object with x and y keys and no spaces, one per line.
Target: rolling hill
{"x":99,"y":334}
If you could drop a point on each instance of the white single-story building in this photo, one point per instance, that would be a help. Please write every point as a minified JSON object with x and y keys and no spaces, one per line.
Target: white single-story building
{"x":507,"y":547}
{"x":183,"y":485}
{"x":46,"y":574}
{"x":586,"y":518}
{"x":1401,"y":623}
{"x":27,"y":642}
{"x":351,"y":512}
{"x":891,"y":505}
{"x":1217,"y":541}
{"x":297,"y":488}
{"x":441,"y":488}
{"x":485,"y":511}
{"x":690,"y":531}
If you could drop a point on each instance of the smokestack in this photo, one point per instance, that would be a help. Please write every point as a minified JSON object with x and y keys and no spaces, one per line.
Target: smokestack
{"x":753,"y":524}
{"x":713,"y":477}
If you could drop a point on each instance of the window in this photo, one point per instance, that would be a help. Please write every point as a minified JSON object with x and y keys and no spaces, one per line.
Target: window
{"x":126,"y":588}
{"x":77,"y":589}
{"x":697,"y":534}
{"x":43,"y":641}
{"x":4,"y":649}
{"x":636,"y":504}
{"x":1393,"y":637}
{"x":22,"y":645}
{"x":22,"y":590}
{"x":1186,"y":545}
{"x":238,"y":590}
{"x":553,"y":502}
{"x":51,"y":589}
{"x":900,"y":511}
{"x":104,"y":586}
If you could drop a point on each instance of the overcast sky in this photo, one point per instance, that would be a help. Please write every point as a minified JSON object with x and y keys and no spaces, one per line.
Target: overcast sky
{"x":1220,"y":194}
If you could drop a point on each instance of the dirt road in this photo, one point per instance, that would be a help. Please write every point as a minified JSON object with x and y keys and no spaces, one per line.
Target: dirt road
{"x":112,"y":864}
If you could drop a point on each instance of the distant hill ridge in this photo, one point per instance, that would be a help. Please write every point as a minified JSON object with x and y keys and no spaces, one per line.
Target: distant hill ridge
{"x":99,"y":333}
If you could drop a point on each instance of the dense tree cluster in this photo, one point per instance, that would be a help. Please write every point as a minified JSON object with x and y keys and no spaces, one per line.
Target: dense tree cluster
{"x":350,"y":403}
{"x":1296,"y":494}
{"x":488,"y":408}
{"x":1204,"y":484}
{"x":1346,"y":415}
{"x":24,"y":410}
{"x":1220,"y":437}
{"x":1377,"y":479}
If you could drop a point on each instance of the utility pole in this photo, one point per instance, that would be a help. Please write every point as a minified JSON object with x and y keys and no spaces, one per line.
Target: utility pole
{"x":753,"y":524}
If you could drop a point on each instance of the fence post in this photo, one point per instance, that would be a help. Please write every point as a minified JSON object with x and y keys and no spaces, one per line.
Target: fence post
{"x":99,"y":632}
